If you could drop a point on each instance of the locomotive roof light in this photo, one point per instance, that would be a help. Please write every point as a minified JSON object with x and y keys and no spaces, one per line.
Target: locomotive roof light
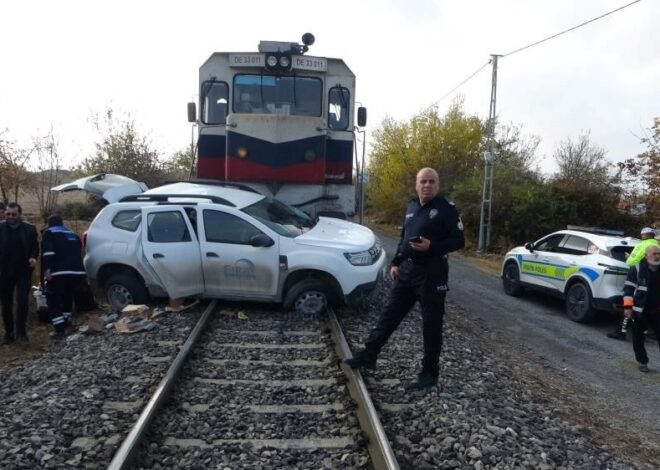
{"x":271,"y":61}
{"x":278,"y":62}
{"x":285,"y":62}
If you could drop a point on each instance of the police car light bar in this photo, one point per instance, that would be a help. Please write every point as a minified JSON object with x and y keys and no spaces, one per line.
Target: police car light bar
{"x":596,"y":230}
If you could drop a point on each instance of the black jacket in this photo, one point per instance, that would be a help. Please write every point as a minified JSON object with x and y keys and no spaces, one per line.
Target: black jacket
{"x":437,"y":220}
{"x":28,"y":237}
{"x":61,"y":252}
{"x":636,"y":287}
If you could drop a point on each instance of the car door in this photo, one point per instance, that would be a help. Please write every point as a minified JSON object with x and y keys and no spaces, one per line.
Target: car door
{"x":570,"y":255}
{"x":539,"y":266}
{"x":233,"y":268}
{"x":172,"y":250}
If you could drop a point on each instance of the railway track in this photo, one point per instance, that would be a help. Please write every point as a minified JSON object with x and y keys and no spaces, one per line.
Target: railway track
{"x":264,"y":393}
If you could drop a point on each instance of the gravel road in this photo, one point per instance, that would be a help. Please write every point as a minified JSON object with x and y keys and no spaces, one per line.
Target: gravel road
{"x":593,"y":378}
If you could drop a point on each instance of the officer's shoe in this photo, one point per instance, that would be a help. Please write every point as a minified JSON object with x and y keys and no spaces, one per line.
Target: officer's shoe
{"x":617,"y":335}
{"x":9,"y":339}
{"x":424,"y":380}
{"x":58,"y":336}
{"x":361,"y":359}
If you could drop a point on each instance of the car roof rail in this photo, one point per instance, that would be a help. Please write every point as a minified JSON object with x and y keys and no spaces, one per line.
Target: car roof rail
{"x":597,"y":230}
{"x":224,"y":184}
{"x":166,"y":198}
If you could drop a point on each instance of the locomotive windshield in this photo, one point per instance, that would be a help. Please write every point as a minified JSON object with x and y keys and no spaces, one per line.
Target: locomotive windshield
{"x":266,"y":94}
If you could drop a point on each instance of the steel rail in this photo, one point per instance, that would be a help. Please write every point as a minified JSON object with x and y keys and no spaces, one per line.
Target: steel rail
{"x":123,"y":458}
{"x":382,"y":455}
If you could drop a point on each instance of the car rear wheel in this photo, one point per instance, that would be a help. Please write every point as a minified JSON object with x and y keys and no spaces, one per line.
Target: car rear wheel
{"x":511,"y":280}
{"x":125,"y":289}
{"x":308,"y":297}
{"x":579,"y":303}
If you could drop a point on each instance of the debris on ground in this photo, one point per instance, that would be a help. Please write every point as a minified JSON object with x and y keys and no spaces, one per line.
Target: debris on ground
{"x":134,"y":324}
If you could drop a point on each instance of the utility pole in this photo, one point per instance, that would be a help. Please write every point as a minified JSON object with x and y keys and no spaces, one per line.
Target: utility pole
{"x":489,"y":159}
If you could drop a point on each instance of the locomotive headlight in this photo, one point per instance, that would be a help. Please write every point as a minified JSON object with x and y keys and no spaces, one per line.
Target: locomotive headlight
{"x":285,"y":62}
{"x":271,"y":60}
{"x":241,"y":152}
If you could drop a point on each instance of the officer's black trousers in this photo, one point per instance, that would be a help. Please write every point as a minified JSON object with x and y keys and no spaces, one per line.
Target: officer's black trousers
{"x":21,"y":283}
{"x":649,"y":320}
{"x":59,"y":295}
{"x":408,"y":288}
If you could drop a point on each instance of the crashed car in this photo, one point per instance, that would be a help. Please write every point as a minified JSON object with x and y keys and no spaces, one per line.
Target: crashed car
{"x":226,"y":241}
{"x":583,"y":265}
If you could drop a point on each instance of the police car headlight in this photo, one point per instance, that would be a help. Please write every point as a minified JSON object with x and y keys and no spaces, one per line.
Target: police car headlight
{"x":366,"y":257}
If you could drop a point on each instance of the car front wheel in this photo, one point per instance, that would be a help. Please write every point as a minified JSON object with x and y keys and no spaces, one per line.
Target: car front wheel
{"x":579,"y":303}
{"x":308,"y":297}
{"x":511,"y":280}
{"x":125,"y":289}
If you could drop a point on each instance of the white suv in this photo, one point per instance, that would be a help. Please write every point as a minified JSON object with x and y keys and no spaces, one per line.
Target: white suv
{"x":226,"y":241}
{"x":585,"y":266}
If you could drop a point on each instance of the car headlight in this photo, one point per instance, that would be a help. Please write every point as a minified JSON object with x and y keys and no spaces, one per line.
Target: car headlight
{"x":366,"y":257}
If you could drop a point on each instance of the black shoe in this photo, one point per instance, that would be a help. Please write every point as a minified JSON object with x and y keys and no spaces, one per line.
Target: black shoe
{"x":9,"y":339}
{"x":617,"y":335}
{"x":424,"y":380}
{"x":361,"y":359}
{"x":58,"y":336}
{"x":22,"y":339}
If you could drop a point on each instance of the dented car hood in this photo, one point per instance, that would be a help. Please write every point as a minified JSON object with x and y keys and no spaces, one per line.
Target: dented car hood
{"x":337,"y":233}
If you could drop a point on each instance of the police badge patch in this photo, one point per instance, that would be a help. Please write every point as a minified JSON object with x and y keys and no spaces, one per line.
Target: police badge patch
{"x":433,"y":213}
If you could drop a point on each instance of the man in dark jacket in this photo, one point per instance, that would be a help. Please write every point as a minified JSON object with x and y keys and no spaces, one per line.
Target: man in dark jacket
{"x":641,"y":302}
{"x":432,"y":228}
{"x":62,"y":265}
{"x":19,"y":248}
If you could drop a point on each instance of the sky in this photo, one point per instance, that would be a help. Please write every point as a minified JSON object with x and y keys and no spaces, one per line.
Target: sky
{"x":62,"y":62}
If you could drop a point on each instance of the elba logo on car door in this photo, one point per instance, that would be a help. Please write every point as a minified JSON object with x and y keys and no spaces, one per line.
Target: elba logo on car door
{"x":233,"y":264}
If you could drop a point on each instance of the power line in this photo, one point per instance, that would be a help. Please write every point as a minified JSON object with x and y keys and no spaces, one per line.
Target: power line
{"x":461,"y":84}
{"x":571,"y":29}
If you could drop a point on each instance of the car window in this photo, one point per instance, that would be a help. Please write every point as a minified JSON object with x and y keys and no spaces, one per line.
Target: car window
{"x":127,"y":220}
{"x":167,"y":227}
{"x":574,"y":245}
{"x":220,"y":227}
{"x":549,"y":243}
{"x":619,"y":252}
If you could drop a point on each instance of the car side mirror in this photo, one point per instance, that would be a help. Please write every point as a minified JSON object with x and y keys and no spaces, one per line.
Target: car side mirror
{"x":261,"y":240}
{"x":192,"y":112}
{"x":530,"y":246}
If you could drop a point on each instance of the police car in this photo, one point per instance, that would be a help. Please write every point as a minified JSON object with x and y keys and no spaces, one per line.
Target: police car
{"x":217,"y":240}
{"x":584,"y":266}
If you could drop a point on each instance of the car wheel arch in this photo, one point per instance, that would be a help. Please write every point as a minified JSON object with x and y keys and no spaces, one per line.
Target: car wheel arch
{"x":295,"y":277}
{"x":108,"y":270}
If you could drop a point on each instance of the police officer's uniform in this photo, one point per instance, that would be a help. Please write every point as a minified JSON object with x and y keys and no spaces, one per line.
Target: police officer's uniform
{"x":422,"y":276}
{"x":61,"y":255}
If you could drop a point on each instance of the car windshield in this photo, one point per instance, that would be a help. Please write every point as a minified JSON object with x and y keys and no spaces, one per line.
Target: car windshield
{"x":282,"y":218}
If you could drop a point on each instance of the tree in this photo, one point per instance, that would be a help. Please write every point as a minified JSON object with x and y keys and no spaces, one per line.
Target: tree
{"x":179,"y":165}
{"x":645,"y":168}
{"x":47,"y":164}
{"x":120,"y":149}
{"x":450,"y":143}
{"x":581,"y":164}
{"x":13,"y":168}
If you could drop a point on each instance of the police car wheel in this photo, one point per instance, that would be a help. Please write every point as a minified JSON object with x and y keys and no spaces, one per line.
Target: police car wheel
{"x":579,"y":304}
{"x":124,"y":289}
{"x":511,"y":280}
{"x":308,"y":297}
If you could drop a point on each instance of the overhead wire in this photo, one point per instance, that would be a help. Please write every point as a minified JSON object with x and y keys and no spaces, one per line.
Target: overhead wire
{"x":473,"y":74}
{"x":570,"y":29}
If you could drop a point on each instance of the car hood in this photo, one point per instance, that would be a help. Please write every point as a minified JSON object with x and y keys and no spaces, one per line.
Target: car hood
{"x":337,"y":233}
{"x":107,"y":186}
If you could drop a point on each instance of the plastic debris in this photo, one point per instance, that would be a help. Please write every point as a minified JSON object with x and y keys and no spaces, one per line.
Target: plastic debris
{"x":242,"y":315}
{"x":133,"y":324}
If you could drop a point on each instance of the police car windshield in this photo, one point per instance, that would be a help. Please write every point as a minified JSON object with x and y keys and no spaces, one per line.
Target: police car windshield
{"x":282,"y":218}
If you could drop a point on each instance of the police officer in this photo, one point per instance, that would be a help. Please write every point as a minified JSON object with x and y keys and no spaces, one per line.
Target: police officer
{"x":636,"y":256}
{"x":63,"y":270}
{"x":641,"y":302}
{"x":432,"y":228}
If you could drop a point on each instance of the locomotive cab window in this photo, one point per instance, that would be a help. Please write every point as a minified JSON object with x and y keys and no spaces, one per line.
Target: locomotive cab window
{"x":338,"y":100}
{"x":215,"y":98}
{"x":267,"y":94}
